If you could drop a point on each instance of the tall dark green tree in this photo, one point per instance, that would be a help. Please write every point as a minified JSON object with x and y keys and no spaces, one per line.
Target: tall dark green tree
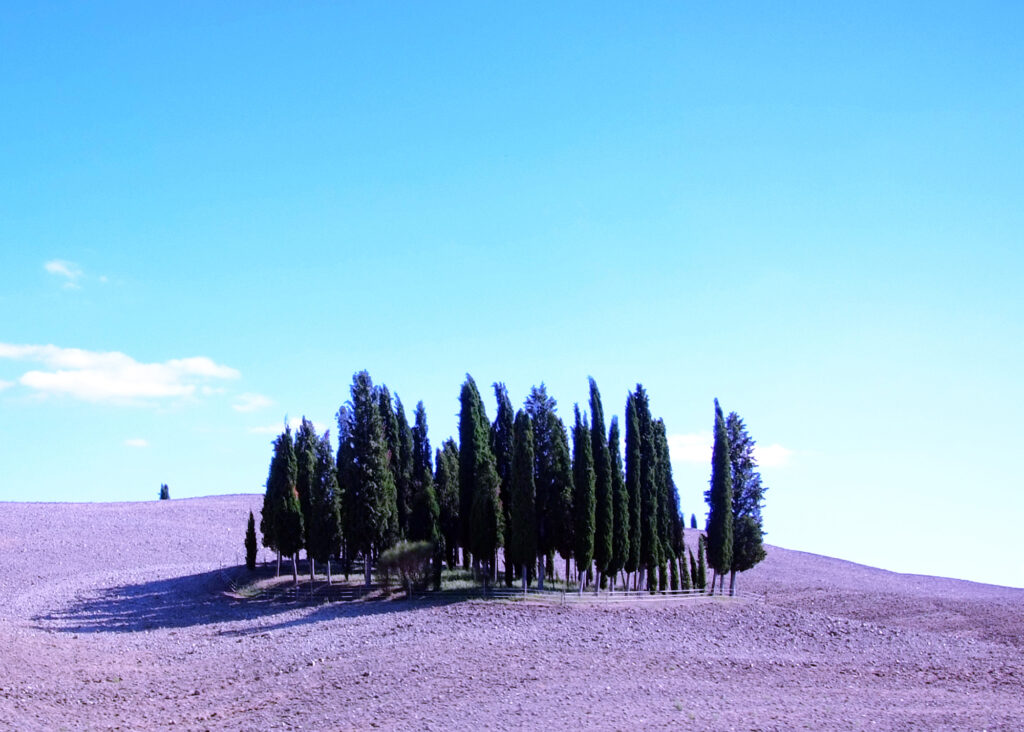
{"x":604,"y":510}
{"x":346,"y":474}
{"x":250,"y":543}
{"x":549,"y":474}
{"x":670,"y":518}
{"x":719,"y":498}
{"x":521,"y":542}
{"x":702,"y":565}
{"x":469,"y":419}
{"x":561,"y":524}
{"x":620,"y":505}
{"x":650,"y":547}
{"x":478,"y":476}
{"x":305,"y":457}
{"x":697,"y":583}
{"x":404,"y":488}
{"x":583,"y":497}
{"x":393,"y":440}
{"x":446,"y":480}
{"x":286,"y":513}
{"x":501,"y":445}
{"x":373,"y":502}
{"x":324,"y":524}
{"x":424,"y":520}
{"x":632,"y":564}
{"x":747,"y":500}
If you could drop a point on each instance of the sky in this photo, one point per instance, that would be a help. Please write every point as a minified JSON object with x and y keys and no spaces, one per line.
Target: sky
{"x":213,"y":214}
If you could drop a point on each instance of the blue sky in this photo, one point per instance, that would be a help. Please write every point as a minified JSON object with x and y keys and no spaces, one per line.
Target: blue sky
{"x":211,"y":215}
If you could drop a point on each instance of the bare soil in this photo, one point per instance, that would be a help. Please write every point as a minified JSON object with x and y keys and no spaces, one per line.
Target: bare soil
{"x":122,"y":616}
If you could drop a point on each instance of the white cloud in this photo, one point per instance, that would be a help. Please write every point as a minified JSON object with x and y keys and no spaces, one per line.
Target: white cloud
{"x":772,"y":456}
{"x":5,"y":384}
{"x":696,"y":448}
{"x":136,"y":442}
{"x":63,"y":268}
{"x":249,"y":402}
{"x":111,"y":376}
{"x":691,"y":448}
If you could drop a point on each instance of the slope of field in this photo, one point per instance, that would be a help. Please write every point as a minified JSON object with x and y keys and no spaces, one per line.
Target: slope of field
{"x":115,"y":616}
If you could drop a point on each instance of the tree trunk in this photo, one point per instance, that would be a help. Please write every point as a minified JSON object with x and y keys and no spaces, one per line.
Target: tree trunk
{"x":366,"y":567}
{"x":567,"y":575}
{"x":526,"y":579}
{"x":714,"y":576}
{"x":597,"y":584}
{"x":328,"y":571}
{"x":278,"y":562}
{"x":732,"y":583}
{"x":312,"y":569}
{"x":295,"y":568}
{"x":540,"y":574}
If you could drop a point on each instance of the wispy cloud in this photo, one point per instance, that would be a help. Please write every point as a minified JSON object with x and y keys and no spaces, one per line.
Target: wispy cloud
{"x":249,"y":402}
{"x":5,"y":384}
{"x":70,"y":272}
{"x":136,"y":442}
{"x":111,"y":376}
{"x":772,"y":456}
{"x":696,"y":448}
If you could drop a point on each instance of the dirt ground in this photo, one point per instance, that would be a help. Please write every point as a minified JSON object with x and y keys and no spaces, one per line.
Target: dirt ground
{"x":117,"y":616}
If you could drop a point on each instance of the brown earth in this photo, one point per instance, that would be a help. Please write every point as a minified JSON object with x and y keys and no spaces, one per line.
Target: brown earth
{"x":118,"y":616}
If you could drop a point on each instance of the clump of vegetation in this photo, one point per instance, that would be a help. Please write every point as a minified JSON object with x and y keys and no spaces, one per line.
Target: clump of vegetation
{"x":411,"y":561}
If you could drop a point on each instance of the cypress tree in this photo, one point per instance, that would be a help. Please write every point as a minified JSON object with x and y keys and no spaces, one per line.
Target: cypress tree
{"x":561,"y":525}
{"x":501,"y":445}
{"x":373,"y":502}
{"x":404,"y":489}
{"x":650,"y":549}
{"x":633,"y":483}
{"x":393,"y":442}
{"x":684,"y":575}
{"x":583,"y":496}
{"x":719,"y":498}
{"x":747,"y":500}
{"x":469,"y":406}
{"x":620,"y":505}
{"x":694,"y":575}
{"x":673,"y":570}
{"x":424,"y":520}
{"x":346,"y":473}
{"x":521,"y":544}
{"x":478,"y":477}
{"x":702,"y":565}
{"x":541,"y":409}
{"x":250,"y":543}
{"x":165,"y":492}
{"x":305,"y":456}
{"x":287,"y":513}
{"x":447,"y":485}
{"x":693,"y":521}
{"x":324,"y":536}
{"x":603,"y":491}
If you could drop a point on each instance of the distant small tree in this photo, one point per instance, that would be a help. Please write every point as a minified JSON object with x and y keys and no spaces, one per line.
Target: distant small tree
{"x":693,"y":521}
{"x":250,"y":543}
{"x":702,"y":564}
{"x":684,"y":574}
{"x":165,"y":492}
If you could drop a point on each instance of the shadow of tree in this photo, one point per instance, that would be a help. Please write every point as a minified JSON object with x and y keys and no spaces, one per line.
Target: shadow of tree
{"x":206,"y":598}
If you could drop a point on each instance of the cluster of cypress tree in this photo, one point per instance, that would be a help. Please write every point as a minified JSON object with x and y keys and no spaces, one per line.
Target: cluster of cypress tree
{"x":512,"y":484}
{"x":735,"y":499}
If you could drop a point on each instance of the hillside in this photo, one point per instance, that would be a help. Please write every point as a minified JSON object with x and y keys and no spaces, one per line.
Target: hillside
{"x":115,"y":615}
